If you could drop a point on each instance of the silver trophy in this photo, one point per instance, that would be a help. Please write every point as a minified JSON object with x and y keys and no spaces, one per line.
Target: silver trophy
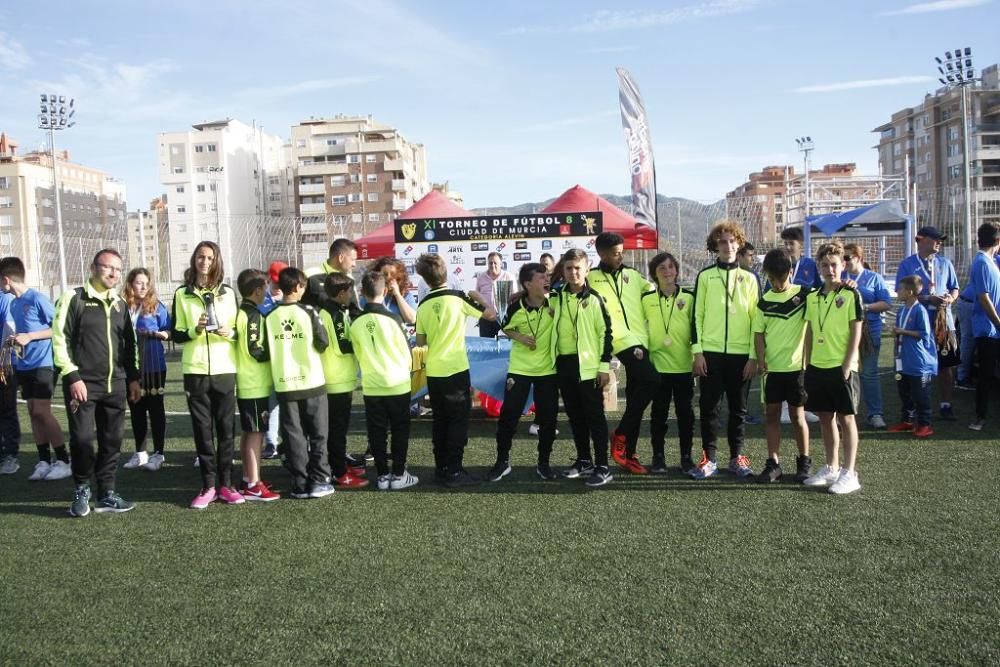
{"x":213,"y":321}
{"x":502,"y":289}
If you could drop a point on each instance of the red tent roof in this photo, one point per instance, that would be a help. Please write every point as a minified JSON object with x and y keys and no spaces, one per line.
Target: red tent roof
{"x":382,"y":241}
{"x":579,"y":199}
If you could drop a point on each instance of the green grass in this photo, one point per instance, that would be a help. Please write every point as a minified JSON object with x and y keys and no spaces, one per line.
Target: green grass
{"x":645,"y":571}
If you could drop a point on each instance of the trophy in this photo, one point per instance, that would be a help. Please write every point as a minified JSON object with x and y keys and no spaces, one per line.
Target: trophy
{"x":502,"y":289}
{"x":213,"y":321}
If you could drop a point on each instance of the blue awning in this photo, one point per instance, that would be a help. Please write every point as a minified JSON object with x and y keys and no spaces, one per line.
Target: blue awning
{"x":890,"y":211}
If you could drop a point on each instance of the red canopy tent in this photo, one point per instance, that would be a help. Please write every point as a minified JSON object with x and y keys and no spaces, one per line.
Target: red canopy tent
{"x":579,"y":199}
{"x":382,"y":241}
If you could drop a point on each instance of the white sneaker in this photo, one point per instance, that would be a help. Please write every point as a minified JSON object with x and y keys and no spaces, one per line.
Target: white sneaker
{"x":138,"y":460}
{"x":811,"y":417}
{"x":785,"y":418}
{"x":876,"y":421}
{"x":57,"y":471}
{"x":9,"y":465}
{"x":383,"y":482}
{"x":846,"y":483}
{"x":41,"y":470}
{"x":403,"y":481}
{"x":825,"y":476}
{"x":155,"y":462}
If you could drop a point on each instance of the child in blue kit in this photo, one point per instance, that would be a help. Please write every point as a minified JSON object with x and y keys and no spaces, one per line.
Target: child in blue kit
{"x":916,"y":360}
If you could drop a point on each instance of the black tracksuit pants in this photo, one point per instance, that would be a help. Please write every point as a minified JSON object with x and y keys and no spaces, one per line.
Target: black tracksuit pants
{"x":338,"y":410}
{"x":679,"y":388}
{"x":148,"y":412}
{"x":725,"y":376}
{"x":10,"y":426}
{"x":988,"y":350}
{"x":304,"y":427}
{"x":384,"y":415}
{"x":584,"y":403}
{"x":546,"y":410}
{"x":211,"y":401}
{"x":451,"y":401}
{"x":641,"y":380}
{"x":102,"y":419}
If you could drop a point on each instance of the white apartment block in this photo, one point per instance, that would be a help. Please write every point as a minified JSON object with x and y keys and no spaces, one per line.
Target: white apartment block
{"x":352,"y":175}
{"x":225,"y":182}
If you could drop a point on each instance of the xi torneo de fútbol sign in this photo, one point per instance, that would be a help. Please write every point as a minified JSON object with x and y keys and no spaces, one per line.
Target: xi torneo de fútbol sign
{"x":488,"y":227}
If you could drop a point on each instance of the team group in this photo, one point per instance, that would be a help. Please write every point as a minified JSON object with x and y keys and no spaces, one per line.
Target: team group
{"x":304,"y":338}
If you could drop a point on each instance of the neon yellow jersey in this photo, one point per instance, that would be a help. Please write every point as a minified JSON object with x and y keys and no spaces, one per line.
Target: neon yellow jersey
{"x":781,"y":318}
{"x":537,"y":323}
{"x":253,"y":367}
{"x":725,"y":300}
{"x":830,"y":315}
{"x":622,"y":289}
{"x":340,"y":367}
{"x":205,"y":353}
{"x":296,"y":341}
{"x":668,"y":320}
{"x":382,"y":350}
{"x":441,"y":318}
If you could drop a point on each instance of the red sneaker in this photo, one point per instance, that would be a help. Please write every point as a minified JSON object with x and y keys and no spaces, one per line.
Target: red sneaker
{"x":618,"y":448}
{"x":260,"y":492}
{"x":923,"y":431}
{"x":633,"y":466}
{"x":901,"y":427}
{"x":349,"y":481}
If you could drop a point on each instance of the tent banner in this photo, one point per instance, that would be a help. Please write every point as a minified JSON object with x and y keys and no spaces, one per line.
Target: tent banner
{"x":640,"y":149}
{"x":498,"y":227}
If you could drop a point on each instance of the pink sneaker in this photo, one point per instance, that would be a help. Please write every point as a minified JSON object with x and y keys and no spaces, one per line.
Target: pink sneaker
{"x":203,"y":499}
{"x":230,"y":497}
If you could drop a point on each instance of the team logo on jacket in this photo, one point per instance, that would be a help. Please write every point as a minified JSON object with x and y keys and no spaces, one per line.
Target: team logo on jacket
{"x":287,"y":325}
{"x":839,"y":301}
{"x":584,"y":303}
{"x":288,"y":331}
{"x":680,"y":303}
{"x":625,"y":278}
{"x":370,"y":327}
{"x":796,"y":300}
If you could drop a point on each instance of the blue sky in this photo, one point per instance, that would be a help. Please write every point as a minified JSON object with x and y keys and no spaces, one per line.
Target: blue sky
{"x":515,"y":101}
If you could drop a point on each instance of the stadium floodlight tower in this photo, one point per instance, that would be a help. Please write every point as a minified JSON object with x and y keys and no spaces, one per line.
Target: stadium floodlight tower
{"x":56,"y":114}
{"x":805,"y":145}
{"x":956,"y":71}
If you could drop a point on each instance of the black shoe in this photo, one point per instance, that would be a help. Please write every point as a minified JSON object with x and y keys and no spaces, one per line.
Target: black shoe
{"x":658,"y":466}
{"x":580,"y":468}
{"x":770,"y":473}
{"x":803,"y":465}
{"x":545,"y":472}
{"x":600,"y":476}
{"x":270,"y":452}
{"x":499,"y":470}
{"x":441,"y":475}
{"x":354,"y":461}
{"x":948,"y":413}
{"x":457,"y":480}
{"x":81,"y":501}
{"x":112,"y":502}
{"x":687,"y":465}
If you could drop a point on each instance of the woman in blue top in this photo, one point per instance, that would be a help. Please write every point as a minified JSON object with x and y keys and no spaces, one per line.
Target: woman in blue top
{"x":152,"y":327}
{"x":400,"y":299}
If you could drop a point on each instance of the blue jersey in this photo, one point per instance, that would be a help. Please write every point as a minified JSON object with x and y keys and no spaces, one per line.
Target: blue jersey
{"x":918,"y":355}
{"x":984,"y":278}
{"x":969,"y":293}
{"x":938,"y":275}
{"x":270,"y":301}
{"x":6,"y":316}
{"x":873,"y":289}
{"x":151,"y":358}
{"x":393,"y":307}
{"x":806,"y":273}
{"x":32,"y":312}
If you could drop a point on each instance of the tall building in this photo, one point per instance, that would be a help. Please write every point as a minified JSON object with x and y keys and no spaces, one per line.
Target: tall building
{"x":225,"y":180}
{"x":453,"y":196}
{"x":352,"y":175}
{"x":93,"y":214}
{"x":149,"y":241}
{"x":759,"y":204}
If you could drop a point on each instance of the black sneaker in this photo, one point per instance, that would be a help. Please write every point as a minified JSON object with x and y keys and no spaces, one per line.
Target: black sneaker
{"x":462,"y":478}
{"x":499,"y":470}
{"x":658,"y":466}
{"x":770,"y":473}
{"x":687,"y":465}
{"x":81,"y":501}
{"x":545,"y":472}
{"x":112,"y":502}
{"x":441,"y":475}
{"x":600,"y":476}
{"x":270,"y":451}
{"x":580,"y":468}
{"x":948,"y":413}
{"x":803,"y":465}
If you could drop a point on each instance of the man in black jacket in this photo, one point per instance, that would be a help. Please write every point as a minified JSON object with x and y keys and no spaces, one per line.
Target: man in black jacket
{"x":93,"y":345}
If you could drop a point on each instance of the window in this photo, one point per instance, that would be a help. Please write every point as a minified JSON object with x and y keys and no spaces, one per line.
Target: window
{"x":200,"y":170}
{"x":214,"y":207}
{"x":300,"y":143}
{"x":211,"y":148}
{"x":182,"y":229}
{"x":372,"y":196}
{"x":202,"y":208}
{"x":6,"y":202}
{"x":373,"y":218}
{"x":201,"y":188}
{"x":198,"y":148}
{"x":179,"y":189}
{"x":6,"y":221}
{"x":371,"y":157}
{"x":338,"y":181}
{"x":355,"y":217}
{"x":273,"y":180}
{"x":178,"y":170}
{"x":354,"y":197}
{"x":954,"y":150}
{"x":181,"y":209}
{"x":332,"y":142}
{"x":4,"y":182}
{"x":339,"y":219}
{"x":952,"y":134}
{"x":213,"y":187}
{"x":354,"y":159}
{"x":339,"y":200}
{"x":372,"y":178}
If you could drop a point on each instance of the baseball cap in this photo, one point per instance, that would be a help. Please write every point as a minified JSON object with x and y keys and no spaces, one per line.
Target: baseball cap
{"x":275,"y":269}
{"x":931,"y":233}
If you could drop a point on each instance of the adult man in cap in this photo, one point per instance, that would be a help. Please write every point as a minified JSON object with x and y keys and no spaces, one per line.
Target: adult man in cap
{"x":940,"y":290}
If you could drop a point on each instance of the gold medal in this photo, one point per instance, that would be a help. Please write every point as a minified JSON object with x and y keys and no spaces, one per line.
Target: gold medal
{"x":899,"y":376}
{"x":667,"y":342}
{"x":820,"y":340}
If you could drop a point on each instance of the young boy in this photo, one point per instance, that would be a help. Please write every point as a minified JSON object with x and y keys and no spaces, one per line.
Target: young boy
{"x":581,"y":345}
{"x":804,"y":271}
{"x":529,"y":325}
{"x":668,"y":313}
{"x":916,"y":360}
{"x":341,"y":371}
{"x":833,"y":387}
{"x":296,"y":340}
{"x":725,"y":301}
{"x":253,"y":382}
{"x":441,"y":320}
{"x":779,"y":330}
{"x":383,"y":352}
{"x":32,"y":313}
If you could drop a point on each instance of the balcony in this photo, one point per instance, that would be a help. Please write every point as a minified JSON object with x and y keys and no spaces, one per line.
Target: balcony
{"x":386,"y":146}
{"x":312,"y":209}
{"x":399,"y":185}
{"x":322,"y":169}
{"x":399,"y":204}
{"x":313,"y":227}
{"x":312,"y":189}
{"x":987,"y":152}
{"x":399,"y":164}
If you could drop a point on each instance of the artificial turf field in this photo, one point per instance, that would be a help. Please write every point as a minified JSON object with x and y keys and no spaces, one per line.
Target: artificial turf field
{"x":647,"y":570}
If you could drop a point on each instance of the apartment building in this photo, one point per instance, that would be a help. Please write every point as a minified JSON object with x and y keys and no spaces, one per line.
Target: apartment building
{"x":93,"y":211}
{"x":149,"y":241}
{"x":226,"y":182}
{"x":352,"y":175}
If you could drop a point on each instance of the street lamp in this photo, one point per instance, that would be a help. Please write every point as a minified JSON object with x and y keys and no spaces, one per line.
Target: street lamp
{"x":56,"y":114}
{"x":805,"y":145}
{"x":956,"y":70}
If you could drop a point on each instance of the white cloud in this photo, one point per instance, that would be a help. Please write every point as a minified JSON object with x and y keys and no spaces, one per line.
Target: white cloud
{"x":938,"y":6}
{"x":302,"y":87}
{"x":13,"y":55}
{"x":863,"y":83}
{"x":608,"y":20}
{"x":571,"y":121}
